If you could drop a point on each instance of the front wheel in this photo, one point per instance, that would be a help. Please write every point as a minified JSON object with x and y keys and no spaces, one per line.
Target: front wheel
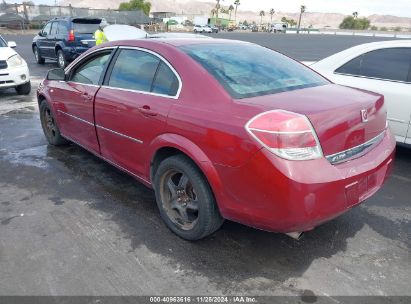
{"x":37,"y":56}
{"x":24,"y":89}
{"x":49,"y":125}
{"x":185,"y":200}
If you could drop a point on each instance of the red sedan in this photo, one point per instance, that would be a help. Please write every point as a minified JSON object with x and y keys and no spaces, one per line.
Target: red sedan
{"x":222,"y":130}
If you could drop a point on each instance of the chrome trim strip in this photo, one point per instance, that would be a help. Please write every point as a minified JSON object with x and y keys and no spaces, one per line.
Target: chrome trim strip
{"x":75,"y":117}
{"x":141,"y":92}
{"x":120,"y":134}
{"x":105,"y":159}
{"x":101,"y":127}
{"x":355,"y":152}
{"x":281,"y":132}
{"x":80,"y":58}
{"x":82,"y":84}
{"x":373,"y":78}
{"x":180,"y":82}
{"x":395,"y":120}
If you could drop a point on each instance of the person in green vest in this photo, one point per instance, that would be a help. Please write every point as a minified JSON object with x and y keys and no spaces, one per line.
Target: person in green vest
{"x":99,"y":33}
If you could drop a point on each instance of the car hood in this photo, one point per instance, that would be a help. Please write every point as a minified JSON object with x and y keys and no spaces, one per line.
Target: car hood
{"x":6,"y":53}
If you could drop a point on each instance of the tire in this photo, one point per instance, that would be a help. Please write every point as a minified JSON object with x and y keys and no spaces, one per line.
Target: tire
{"x":61,"y":60}
{"x":49,"y":125}
{"x":179,"y":185}
{"x":37,"y":56}
{"x":24,"y":89}
{"x":195,"y":31}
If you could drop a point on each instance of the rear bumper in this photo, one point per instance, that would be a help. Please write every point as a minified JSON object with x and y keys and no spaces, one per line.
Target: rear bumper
{"x":279,"y":195}
{"x":12,"y":77}
{"x":72,"y":52}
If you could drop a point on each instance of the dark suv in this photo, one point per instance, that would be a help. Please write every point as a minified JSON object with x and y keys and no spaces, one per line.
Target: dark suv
{"x":64,"y":39}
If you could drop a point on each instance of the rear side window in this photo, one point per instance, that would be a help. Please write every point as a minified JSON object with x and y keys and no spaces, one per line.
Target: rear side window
{"x":352,"y":67}
{"x":134,"y":70}
{"x":62,"y":28}
{"x":90,"y":71}
{"x":165,"y":82}
{"x":391,"y":64}
{"x":84,"y":26}
{"x":247,"y":70}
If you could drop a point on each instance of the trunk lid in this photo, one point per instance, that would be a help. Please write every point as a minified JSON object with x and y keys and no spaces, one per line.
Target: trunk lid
{"x":342,"y":117}
{"x":84,"y":29}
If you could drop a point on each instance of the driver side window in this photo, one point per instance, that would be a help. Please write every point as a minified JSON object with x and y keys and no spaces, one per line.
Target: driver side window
{"x":89,"y":72}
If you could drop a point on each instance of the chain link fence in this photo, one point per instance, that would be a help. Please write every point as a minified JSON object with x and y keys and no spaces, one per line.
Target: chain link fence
{"x":25,"y":16}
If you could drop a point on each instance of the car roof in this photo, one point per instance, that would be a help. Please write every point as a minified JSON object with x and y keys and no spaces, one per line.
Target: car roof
{"x":352,"y":52}
{"x":179,"y":41}
{"x":74,"y":18}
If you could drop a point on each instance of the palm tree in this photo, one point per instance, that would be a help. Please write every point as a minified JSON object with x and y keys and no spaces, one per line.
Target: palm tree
{"x":236,"y":3}
{"x":213,"y":12}
{"x":302,"y":11}
{"x":230,"y":10}
{"x":272,"y":12}
{"x":355,"y":15}
{"x":217,"y":8}
{"x":262,"y":14}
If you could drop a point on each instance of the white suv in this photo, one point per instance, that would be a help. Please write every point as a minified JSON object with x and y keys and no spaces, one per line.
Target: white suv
{"x":14,"y":72}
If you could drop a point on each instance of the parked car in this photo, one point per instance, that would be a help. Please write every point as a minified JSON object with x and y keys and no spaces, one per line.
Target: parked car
{"x":214,"y":29}
{"x":383,"y":67}
{"x":202,"y":29}
{"x":250,"y":136}
{"x":14,"y":72}
{"x":64,"y":39}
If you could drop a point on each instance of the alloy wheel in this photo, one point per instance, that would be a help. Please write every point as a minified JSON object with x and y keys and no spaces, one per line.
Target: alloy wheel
{"x":49,"y":123}
{"x":179,"y":199}
{"x":61,"y":60}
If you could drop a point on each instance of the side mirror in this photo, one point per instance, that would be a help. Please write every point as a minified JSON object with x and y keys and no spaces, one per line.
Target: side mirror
{"x":11,"y":44}
{"x":56,"y":74}
{"x":41,"y":33}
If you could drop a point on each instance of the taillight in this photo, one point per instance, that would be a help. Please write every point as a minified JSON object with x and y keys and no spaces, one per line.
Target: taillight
{"x":71,"y":36}
{"x":286,"y":134}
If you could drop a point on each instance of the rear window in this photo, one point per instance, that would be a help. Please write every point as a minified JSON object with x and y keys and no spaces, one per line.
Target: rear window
{"x":84,"y":26}
{"x":247,"y":70}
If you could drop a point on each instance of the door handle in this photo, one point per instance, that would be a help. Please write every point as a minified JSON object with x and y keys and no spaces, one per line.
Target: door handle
{"x":146,"y":110}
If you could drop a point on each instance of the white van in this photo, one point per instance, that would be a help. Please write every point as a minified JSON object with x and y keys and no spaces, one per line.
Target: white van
{"x":280,"y":27}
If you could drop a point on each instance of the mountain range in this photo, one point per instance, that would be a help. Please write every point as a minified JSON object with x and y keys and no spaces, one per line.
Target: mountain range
{"x":191,"y":7}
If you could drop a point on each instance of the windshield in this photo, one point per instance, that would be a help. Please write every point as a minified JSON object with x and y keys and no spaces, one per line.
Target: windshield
{"x":247,"y":70}
{"x":2,"y":42}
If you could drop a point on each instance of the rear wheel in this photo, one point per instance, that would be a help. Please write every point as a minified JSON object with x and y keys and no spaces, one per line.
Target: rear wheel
{"x":184,"y":197}
{"x":37,"y":56}
{"x":49,"y":125}
{"x":61,"y":60}
{"x":24,"y":89}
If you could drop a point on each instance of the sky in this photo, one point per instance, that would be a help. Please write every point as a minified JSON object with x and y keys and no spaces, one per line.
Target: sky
{"x":363,"y":7}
